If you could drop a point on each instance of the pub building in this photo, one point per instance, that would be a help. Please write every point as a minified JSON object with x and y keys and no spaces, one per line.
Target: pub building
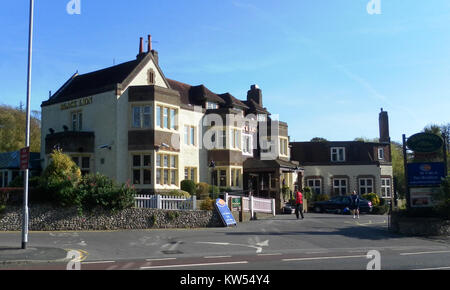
{"x":131,"y":123}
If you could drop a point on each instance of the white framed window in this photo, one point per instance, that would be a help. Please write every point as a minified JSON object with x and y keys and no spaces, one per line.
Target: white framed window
{"x":141,"y":117}
{"x":366,"y":185}
{"x":166,"y":117}
{"x":284,"y":146}
{"x":77,"y":121}
{"x":381,"y":153}
{"x":315,"y":184}
{"x":235,"y":177}
{"x":247,"y":144}
{"x":340,"y":186}
{"x":190,"y":173}
{"x":338,"y":154}
{"x":236,"y":138}
{"x":142,"y":169}
{"x":166,"y":169}
{"x":83,"y":162}
{"x":212,"y":105}
{"x":189,"y":135}
{"x":386,"y":188}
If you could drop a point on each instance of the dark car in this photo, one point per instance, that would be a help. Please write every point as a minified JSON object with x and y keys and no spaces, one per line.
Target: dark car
{"x":341,"y":204}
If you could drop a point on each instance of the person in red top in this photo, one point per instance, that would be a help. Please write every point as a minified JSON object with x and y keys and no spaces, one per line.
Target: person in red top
{"x":299,"y":204}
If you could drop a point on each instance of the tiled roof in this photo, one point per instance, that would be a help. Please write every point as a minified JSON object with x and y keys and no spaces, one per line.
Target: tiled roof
{"x":194,"y":94}
{"x":232,"y":101}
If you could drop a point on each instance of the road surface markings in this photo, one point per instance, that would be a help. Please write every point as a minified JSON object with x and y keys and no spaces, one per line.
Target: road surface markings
{"x":156,"y":260}
{"x":258,"y":246}
{"x":424,"y":253}
{"x":98,"y":262}
{"x":216,"y":257}
{"x":439,"y":268}
{"x":274,"y":254}
{"x":82,"y":255}
{"x":193,"y":265}
{"x":322,"y":258}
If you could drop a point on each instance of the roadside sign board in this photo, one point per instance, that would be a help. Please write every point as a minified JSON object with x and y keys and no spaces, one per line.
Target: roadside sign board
{"x":24,"y":158}
{"x":236,"y":203}
{"x":423,"y":197}
{"x":225,"y":213}
{"x":425,"y":174}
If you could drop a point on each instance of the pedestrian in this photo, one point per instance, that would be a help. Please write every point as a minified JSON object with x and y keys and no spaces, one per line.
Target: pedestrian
{"x":354,"y":206}
{"x":299,"y":204}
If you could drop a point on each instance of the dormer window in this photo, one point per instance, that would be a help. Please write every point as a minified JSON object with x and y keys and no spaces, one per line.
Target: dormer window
{"x":338,"y":154}
{"x":211,"y":106}
{"x":381,"y":153}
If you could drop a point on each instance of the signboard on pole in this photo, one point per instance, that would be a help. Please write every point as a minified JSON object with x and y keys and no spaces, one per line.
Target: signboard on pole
{"x":24,"y":158}
{"x":225,"y":213}
{"x":426,"y":174}
{"x":423,"y":197}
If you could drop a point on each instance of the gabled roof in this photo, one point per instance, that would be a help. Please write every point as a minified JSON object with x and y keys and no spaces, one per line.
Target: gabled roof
{"x":100,"y":81}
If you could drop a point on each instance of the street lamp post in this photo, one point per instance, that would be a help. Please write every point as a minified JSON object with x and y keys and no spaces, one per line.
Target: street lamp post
{"x":27,"y":133}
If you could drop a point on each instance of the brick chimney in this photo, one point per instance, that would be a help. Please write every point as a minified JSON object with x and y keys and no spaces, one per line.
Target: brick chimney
{"x":384,"y":127}
{"x":141,"y":48}
{"x":255,"y":94}
{"x":152,"y":51}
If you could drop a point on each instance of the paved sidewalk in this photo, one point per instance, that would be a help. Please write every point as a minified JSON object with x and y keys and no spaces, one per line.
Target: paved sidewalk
{"x":18,"y":256}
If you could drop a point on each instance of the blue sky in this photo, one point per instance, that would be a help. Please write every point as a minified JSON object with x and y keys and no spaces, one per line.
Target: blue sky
{"x":326,"y":67}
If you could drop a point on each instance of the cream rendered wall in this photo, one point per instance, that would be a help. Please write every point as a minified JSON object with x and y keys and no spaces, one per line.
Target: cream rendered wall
{"x":142,"y":78}
{"x":352,"y":171}
{"x":192,"y":156}
{"x":98,"y":117}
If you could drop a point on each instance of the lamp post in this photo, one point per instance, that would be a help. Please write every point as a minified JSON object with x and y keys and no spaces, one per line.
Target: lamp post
{"x":212,"y":165}
{"x":27,"y":133}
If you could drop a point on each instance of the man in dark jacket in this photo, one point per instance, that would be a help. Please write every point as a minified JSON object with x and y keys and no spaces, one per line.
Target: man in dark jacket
{"x":299,"y":204}
{"x":354,"y":206}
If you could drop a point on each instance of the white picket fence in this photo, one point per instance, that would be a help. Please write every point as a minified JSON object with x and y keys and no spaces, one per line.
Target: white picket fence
{"x":165,"y":202}
{"x":254,"y":204}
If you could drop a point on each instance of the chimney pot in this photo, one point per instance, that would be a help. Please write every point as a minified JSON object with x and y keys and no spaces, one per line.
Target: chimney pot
{"x":149,"y":43}
{"x":141,"y":46}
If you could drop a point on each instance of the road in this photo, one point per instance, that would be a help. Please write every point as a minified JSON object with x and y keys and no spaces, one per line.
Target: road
{"x":320,"y":242}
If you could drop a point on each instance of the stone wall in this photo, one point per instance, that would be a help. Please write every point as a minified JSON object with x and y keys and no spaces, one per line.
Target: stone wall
{"x":49,"y":218}
{"x":420,"y":226}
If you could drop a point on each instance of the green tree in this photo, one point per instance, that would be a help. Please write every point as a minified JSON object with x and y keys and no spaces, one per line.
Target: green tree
{"x":12,"y":129}
{"x":319,"y":139}
{"x":398,"y":168}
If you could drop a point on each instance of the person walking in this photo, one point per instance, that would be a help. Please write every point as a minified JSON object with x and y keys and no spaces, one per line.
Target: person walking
{"x":354,"y":206}
{"x":299,"y":204}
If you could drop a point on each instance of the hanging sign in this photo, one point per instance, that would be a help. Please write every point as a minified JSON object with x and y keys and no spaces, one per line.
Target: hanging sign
{"x":425,"y":143}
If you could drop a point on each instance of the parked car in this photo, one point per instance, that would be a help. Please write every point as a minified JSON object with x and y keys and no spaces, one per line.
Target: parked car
{"x":289,"y":208}
{"x":340,"y":205}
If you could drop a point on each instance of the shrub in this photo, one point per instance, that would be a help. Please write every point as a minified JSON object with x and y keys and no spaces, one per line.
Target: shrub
{"x":372,"y":197}
{"x":202,"y":190}
{"x":380,"y":209}
{"x":189,"y":186}
{"x":179,"y":193}
{"x":207,"y":204}
{"x":307,"y":193}
{"x":214,"y":192}
{"x":442,"y":207}
{"x":321,"y":197}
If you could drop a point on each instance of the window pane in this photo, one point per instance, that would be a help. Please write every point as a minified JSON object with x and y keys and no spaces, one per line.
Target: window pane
{"x":369,"y":182}
{"x":192,"y":136}
{"x":166,"y":161}
{"x":158,"y":116}
{"x":166,"y":118}
{"x":193,"y":174}
{"x":85,"y":163}
{"x":136,"y":177}
{"x":223,"y":178}
{"x":158,"y":160}
{"x":173,"y":161}
{"x":186,"y":173}
{"x":158,"y":176}
{"x":147,"y":160}
{"x":136,"y":117}
{"x":76,"y":161}
{"x":80,"y":121}
{"x":147,"y":117}
{"x":172,"y":118}
{"x":173,"y":177}
{"x":317,"y":183}
{"x":186,"y":135}
{"x":136,"y":160}
{"x":343,"y":182}
{"x":147,"y":176}
{"x":166,"y":176}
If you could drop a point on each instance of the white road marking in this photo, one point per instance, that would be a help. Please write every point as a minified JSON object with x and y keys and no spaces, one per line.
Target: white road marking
{"x":323,"y":258}
{"x":274,"y":254}
{"x":99,"y":262}
{"x":216,"y":257}
{"x":155,"y":260}
{"x":193,"y":265}
{"x":423,"y":253}
{"x":439,"y":268}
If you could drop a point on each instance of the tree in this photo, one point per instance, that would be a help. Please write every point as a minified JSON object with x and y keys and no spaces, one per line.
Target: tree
{"x":319,"y":139}
{"x":12,"y":129}
{"x":398,"y":168}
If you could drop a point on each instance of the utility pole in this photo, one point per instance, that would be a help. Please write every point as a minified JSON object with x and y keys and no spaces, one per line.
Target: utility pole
{"x":27,"y":134}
